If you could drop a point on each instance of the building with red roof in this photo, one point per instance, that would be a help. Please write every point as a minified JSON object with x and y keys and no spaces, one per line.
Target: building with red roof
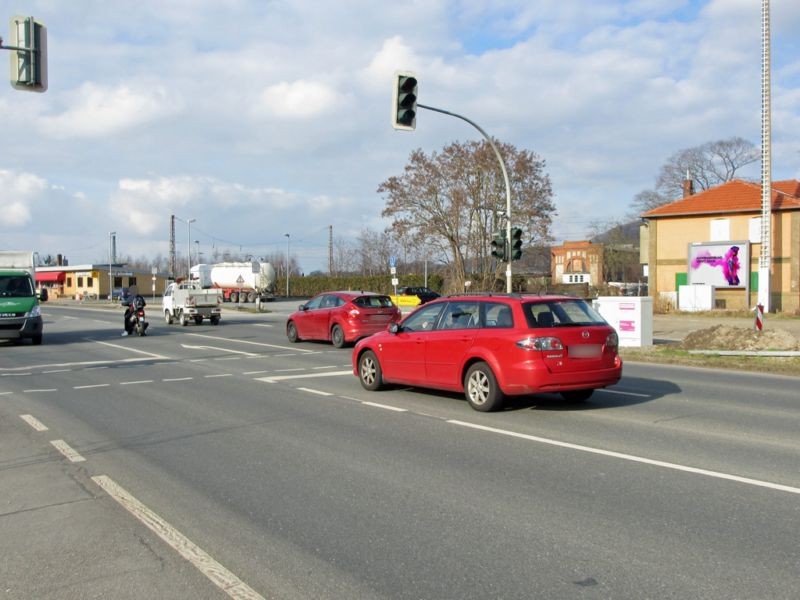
{"x":692,"y":240}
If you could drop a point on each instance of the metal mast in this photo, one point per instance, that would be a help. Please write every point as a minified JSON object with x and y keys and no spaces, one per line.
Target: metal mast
{"x":172,"y":265}
{"x":765,"y":256}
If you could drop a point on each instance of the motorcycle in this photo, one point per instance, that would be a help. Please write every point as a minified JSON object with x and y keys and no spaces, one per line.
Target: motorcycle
{"x":137,"y":320}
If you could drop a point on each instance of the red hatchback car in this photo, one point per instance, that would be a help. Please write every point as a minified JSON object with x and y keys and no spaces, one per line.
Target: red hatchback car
{"x":341,"y":317}
{"x":491,"y":346}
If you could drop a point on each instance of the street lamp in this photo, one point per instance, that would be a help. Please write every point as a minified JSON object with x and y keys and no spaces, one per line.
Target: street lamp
{"x":189,"y":249}
{"x":287,"y":264}
{"x":110,"y":259}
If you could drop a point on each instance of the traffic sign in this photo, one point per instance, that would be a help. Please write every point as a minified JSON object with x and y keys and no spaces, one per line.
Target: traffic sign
{"x":392,"y":262}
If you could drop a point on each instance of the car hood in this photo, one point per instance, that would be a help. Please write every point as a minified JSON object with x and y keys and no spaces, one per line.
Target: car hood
{"x":16,"y":305}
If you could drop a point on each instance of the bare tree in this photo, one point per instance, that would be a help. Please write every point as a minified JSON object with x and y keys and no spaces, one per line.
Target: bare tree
{"x":449,"y":203}
{"x":708,"y":165}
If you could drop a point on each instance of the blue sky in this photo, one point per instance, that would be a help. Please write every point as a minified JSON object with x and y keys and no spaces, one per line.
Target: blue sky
{"x":260,"y":118}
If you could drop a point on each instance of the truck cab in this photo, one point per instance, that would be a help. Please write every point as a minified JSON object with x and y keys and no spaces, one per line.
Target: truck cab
{"x":20,"y":314}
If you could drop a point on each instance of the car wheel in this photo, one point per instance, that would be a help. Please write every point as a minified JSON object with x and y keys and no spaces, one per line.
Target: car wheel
{"x":182,"y":319}
{"x":369,"y":371}
{"x":168,"y":317}
{"x":577,"y":395}
{"x":214,"y":320}
{"x":337,"y":336}
{"x":37,"y":340}
{"x":481,"y":389}
{"x":291,"y":332}
{"x":198,"y":319}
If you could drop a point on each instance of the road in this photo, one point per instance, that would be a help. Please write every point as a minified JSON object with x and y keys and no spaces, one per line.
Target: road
{"x":225,"y":462}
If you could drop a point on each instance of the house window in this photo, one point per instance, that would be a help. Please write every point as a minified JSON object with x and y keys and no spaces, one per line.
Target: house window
{"x":720,"y":230}
{"x":755,"y":230}
{"x":89,"y":282}
{"x":131,"y":281}
{"x":80,"y":281}
{"x":69,"y":281}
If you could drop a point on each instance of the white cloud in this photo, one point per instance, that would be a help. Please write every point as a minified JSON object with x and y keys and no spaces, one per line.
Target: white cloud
{"x":298,"y":100}
{"x":96,"y":110}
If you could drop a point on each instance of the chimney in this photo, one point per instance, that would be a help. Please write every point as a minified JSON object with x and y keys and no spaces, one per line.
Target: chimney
{"x":59,"y":260}
{"x":688,"y":185}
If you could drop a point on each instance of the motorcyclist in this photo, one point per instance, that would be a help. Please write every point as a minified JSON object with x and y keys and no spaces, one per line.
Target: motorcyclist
{"x":133,"y":302}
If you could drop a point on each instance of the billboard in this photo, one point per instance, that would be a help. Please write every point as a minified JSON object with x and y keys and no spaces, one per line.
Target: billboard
{"x":720,"y":264}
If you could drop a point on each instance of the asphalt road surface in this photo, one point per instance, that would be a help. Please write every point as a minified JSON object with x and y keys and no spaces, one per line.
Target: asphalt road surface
{"x":216,"y":462}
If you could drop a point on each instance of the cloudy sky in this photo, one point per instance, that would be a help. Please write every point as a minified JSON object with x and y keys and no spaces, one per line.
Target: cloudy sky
{"x":260,"y":118}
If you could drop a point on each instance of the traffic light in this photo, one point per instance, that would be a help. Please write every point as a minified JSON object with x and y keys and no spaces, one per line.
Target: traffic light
{"x":404,"y":101}
{"x":28,"y":45}
{"x":516,"y":243}
{"x":499,"y":247}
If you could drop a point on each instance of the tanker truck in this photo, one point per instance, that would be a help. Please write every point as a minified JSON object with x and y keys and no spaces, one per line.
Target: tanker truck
{"x":239,"y":281}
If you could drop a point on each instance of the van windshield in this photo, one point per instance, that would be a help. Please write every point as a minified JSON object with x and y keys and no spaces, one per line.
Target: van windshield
{"x":17,"y":286}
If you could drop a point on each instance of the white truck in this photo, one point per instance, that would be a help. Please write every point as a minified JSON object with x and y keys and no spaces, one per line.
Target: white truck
{"x":187,"y":301}
{"x":238,"y":281}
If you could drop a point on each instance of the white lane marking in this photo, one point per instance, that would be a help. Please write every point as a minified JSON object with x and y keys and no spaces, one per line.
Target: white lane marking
{"x":386,"y":406}
{"x":40,"y":390}
{"x":220,"y":339}
{"x":325,"y":367}
{"x":621,"y":393}
{"x":218,"y":375}
{"x":67,"y":451}
{"x":633,"y":458}
{"x":224,"y":579}
{"x":15,"y":374}
{"x":150,"y":354}
{"x":313,"y":391}
{"x":288,"y":370}
{"x":6,"y":393}
{"x":303,"y":376}
{"x":135,"y":382}
{"x":57,"y":371}
{"x":178,"y":379}
{"x":217,"y":348}
{"x":34,"y":422}
{"x":254,"y":372}
{"x":88,"y":387}
{"x":262,"y":324}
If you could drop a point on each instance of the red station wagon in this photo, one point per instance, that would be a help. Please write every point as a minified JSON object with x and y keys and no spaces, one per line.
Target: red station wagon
{"x":341,"y":317}
{"x":491,"y":346}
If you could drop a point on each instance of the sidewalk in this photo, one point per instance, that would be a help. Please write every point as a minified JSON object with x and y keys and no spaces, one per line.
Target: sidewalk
{"x":63,"y":537}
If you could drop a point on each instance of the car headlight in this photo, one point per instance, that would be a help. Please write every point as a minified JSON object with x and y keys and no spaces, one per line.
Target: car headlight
{"x":36,"y":311}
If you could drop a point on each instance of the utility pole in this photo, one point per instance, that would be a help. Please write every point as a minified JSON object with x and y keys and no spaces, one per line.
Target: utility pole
{"x":765,"y":256}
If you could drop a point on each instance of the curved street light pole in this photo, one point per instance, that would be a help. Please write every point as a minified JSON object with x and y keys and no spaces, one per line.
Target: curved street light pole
{"x":505,"y":179}
{"x":189,"y":250}
{"x":287,"y":263}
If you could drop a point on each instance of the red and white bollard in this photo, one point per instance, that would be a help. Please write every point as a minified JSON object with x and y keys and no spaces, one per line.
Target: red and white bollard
{"x":759,"y":325}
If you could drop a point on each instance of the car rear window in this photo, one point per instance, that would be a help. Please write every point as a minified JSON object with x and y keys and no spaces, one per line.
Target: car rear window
{"x":561,"y":313}
{"x":373,"y":301}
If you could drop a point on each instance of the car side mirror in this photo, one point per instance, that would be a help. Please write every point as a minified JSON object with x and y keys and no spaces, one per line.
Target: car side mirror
{"x":395,"y":328}
{"x":301,"y":307}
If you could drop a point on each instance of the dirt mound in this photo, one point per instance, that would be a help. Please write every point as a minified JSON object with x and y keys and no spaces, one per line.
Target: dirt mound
{"x":724,"y":337}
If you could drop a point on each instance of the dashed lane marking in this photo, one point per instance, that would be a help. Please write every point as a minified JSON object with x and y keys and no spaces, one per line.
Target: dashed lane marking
{"x":129,"y":349}
{"x":34,"y":391}
{"x":224,"y":579}
{"x":34,"y":422}
{"x":67,"y":451}
{"x":136,"y":382}
{"x":313,"y":391}
{"x":88,"y":387}
{"x":263,"y":344}
{"x":178,"y":379}
{"x":251,"y":354}
{"x":385,"y":406}
{"x":303,"y":376}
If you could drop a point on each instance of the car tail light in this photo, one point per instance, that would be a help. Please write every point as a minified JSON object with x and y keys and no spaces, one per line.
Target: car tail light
{"x":540,"y":344}
{"x":612,"y":341}
{"x":354,"y":312}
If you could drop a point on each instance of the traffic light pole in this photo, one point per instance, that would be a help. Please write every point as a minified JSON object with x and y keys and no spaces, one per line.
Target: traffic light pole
{"x":505,"y":179}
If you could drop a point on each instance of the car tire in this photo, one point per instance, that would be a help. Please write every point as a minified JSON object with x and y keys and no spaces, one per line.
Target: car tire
{"x":369,"y":371}
{"x":37,"y":340}
{"x":337,"y":336}
{"x":291,"y":332}
{"x":168,"y":317}
{"x":198,"y":319}
{"x":182,"y":319}
{"x":577,"y":395}
{"x":214,"y":320}
{"x":481,"y":389}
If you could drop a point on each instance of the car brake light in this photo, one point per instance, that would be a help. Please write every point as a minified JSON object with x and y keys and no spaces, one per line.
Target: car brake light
{"x":612,"y":341}
{"x":354,"y":312}
{"x":540,"y":344}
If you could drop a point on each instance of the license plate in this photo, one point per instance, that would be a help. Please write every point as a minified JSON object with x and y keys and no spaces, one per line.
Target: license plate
{"x":585,"y":351}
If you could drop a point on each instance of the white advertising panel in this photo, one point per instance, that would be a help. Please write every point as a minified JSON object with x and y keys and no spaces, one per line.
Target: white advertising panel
{"x":720,"y":264}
